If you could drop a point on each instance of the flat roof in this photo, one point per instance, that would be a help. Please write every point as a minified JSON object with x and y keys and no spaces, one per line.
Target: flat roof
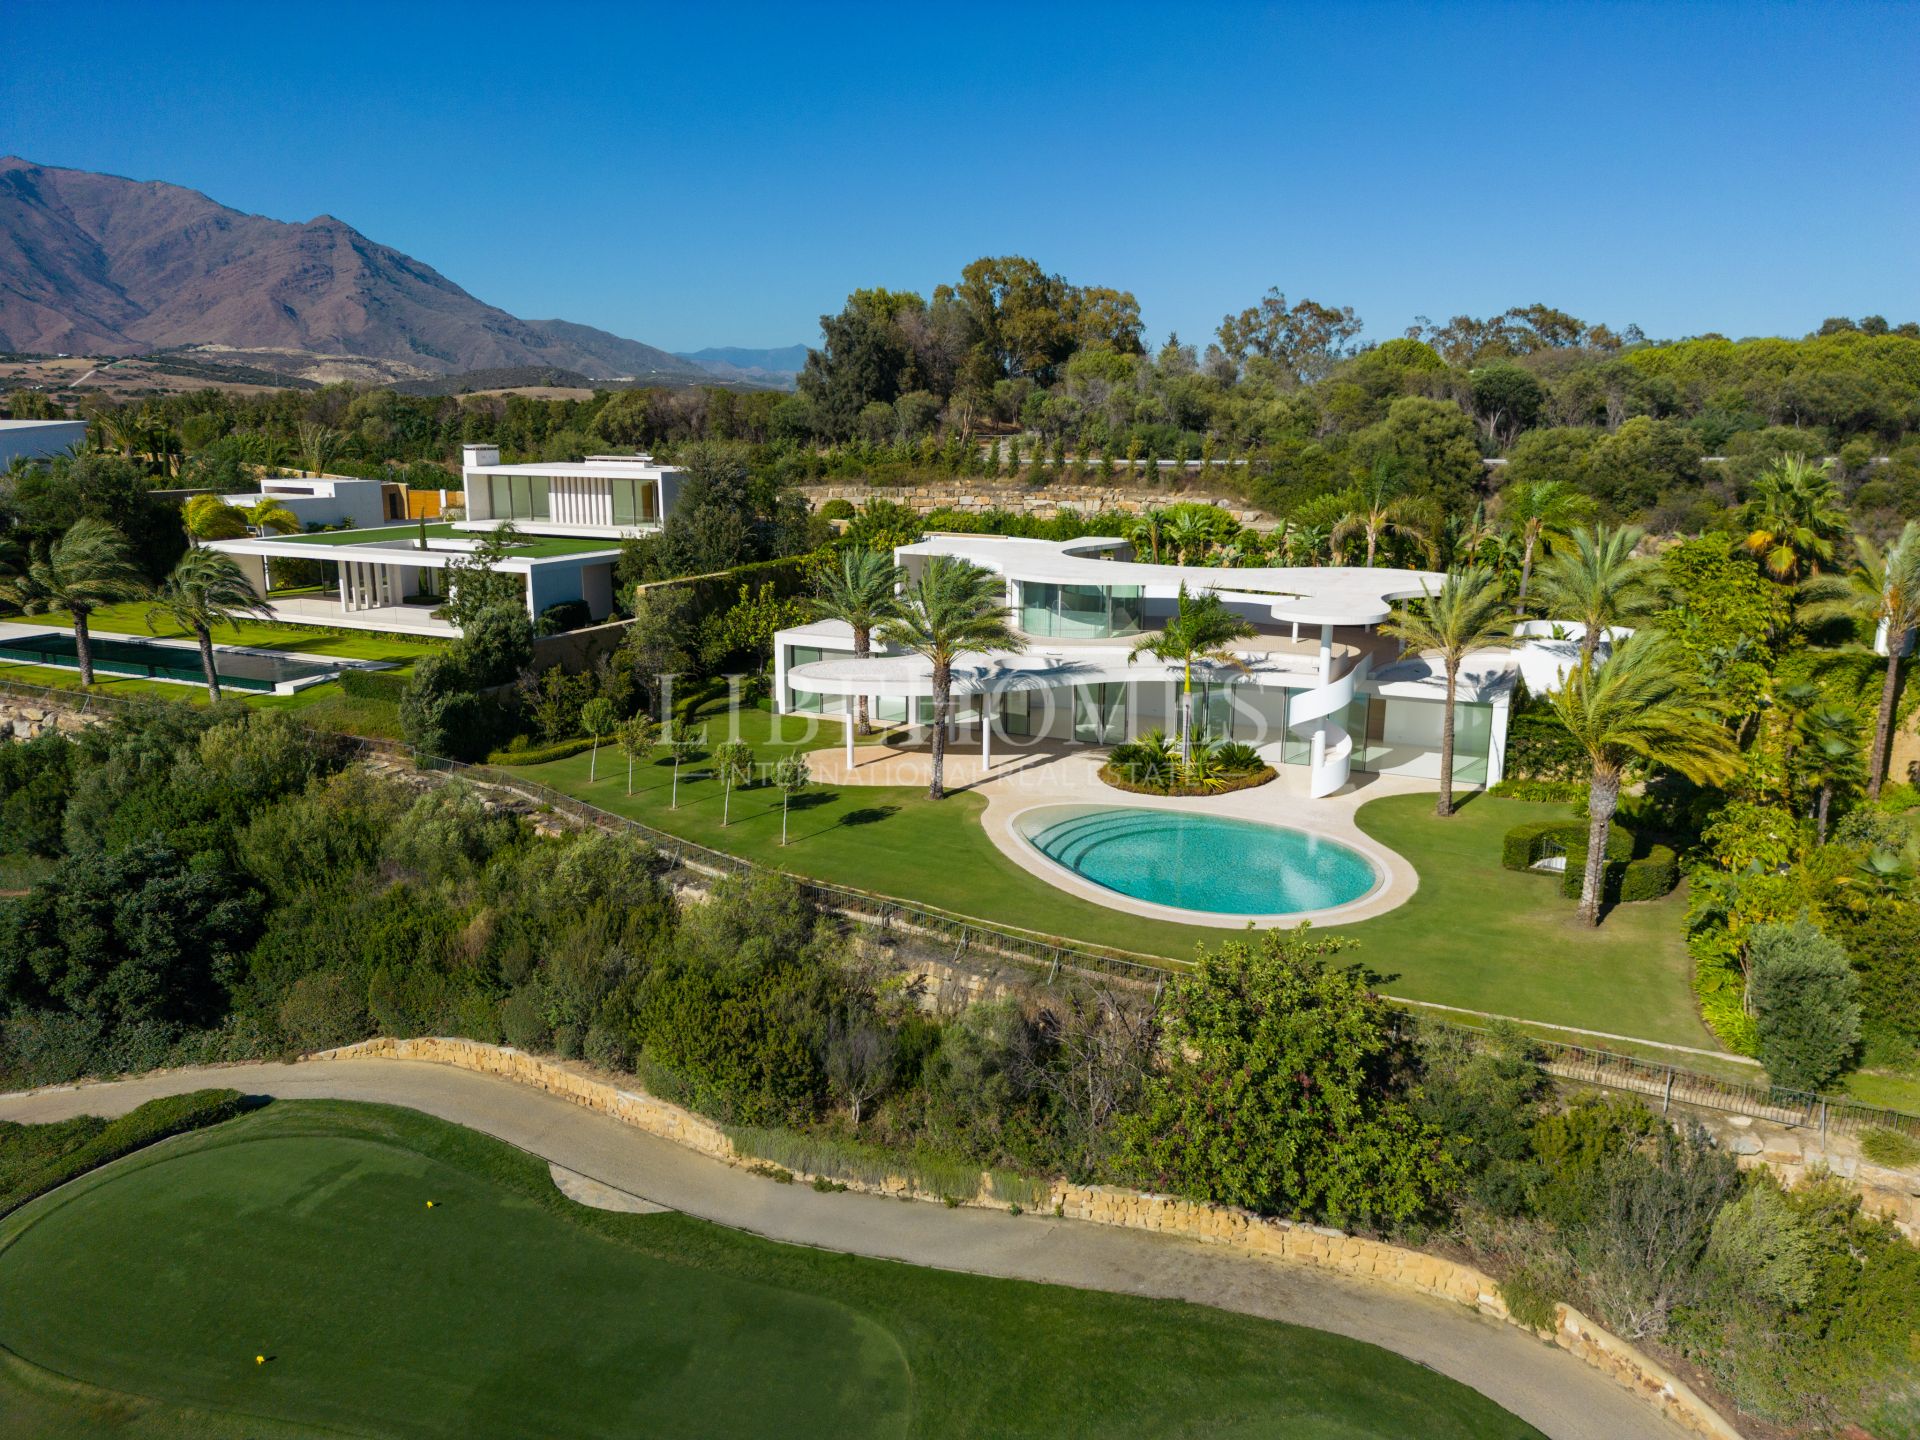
{"x":588,"y":469}
{"x":1308,"y":594}
{"x":393,"y":544}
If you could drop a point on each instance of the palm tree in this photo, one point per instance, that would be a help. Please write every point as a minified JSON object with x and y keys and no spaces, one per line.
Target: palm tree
{"x":1144,"y":531}
{"x":1830,"y":751}
{"x":1883,"y":589}
{"x":267,"y":513}
{"x":1192,"y":531}
{"x":317,"y":445}
{"x":85,"y":568}
{"x":860,"y":593}
{"x":208,"y":517}
{"x":204,"y":590}
{"x":1599,"y":581}
{"x":1540,"y":512}
{"x":1200,"y":630}
{"x":1376,"y":516}
{"x":1643,"y":701}
{"x":953,"y":608}
{"x":1465,"y":614}
{"x":1793,"y":517}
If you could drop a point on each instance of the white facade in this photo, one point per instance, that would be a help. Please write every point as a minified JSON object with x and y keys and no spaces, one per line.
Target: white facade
{"x":612,"y":497}
{"x":1317,"y":685}
{"x":331,"y":500}
{"x":39,"y":439}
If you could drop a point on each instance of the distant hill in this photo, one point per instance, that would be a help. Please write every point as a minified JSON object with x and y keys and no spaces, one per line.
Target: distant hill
{"x":99,"y":265}
{"x":733,"y":362}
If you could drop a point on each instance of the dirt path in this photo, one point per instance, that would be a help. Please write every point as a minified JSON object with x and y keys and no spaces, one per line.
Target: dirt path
{"x":1544,"y":1385}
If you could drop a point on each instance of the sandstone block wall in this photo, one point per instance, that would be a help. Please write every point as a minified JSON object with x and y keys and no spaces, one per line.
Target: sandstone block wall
{"x":1278,"y":1240}
{"x":976,"y":496}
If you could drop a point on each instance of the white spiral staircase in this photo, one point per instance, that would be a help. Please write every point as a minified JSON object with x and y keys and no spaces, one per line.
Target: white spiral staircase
{"x":1311,"y":712}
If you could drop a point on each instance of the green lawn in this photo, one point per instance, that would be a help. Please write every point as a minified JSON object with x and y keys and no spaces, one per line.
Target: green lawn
{"x":131,"y":619}
{"x":1475,"y":935}
{"x":138,"y":1297}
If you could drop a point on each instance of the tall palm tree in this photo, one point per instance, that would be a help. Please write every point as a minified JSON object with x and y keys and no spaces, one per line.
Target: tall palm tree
{"x":317,"y":446}
{"x":1540,"y":512}
{"x":1882,"y":589}
{"x":1375,"y":516}
{"x":1466,"y":613}
{"x":1793,"y":517}
{"x":204,"y":590}
{"x":952,"y":609}
{"x":1200,"y":631}
{"x":85,"y":568}
{"x":1599,"y":581}
{"x":861,"y":593}
{"x":1644,"y":701}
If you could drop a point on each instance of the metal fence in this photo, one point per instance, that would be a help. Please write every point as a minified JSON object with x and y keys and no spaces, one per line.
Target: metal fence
{"x":1052,"y":959}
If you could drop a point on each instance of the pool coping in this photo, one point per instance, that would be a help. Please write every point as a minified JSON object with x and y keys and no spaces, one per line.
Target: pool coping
{"x":14,"y":630}
{"x":1055,"y":871}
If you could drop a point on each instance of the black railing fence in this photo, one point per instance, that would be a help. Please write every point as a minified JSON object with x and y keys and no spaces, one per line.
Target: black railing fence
{"x":1051,"y":960}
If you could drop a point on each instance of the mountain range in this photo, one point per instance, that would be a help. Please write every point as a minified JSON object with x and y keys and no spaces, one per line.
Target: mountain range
{"x":100,"y":265}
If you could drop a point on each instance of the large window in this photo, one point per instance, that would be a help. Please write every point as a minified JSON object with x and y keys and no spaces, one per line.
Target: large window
{"x":1080,"y":612}
{"x":518,"y":497}
{"x":804,"y":701}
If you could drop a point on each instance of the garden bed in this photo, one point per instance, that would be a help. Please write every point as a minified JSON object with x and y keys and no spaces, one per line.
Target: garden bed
{"x":1226,"y":784}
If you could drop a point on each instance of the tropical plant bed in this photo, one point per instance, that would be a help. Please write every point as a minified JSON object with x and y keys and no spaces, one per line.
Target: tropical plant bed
{"x":1220,"y":785}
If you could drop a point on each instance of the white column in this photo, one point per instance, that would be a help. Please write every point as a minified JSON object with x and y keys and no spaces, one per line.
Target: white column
{"x":986,"y":732}
{"x":1326,"y":653}
{"x":849,"y":728}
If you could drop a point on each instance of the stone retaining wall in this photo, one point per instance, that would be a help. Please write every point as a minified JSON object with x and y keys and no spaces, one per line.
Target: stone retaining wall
{"x":24,"y":719}
{"x":975,"y":496}
{"x":1278,"y":1240}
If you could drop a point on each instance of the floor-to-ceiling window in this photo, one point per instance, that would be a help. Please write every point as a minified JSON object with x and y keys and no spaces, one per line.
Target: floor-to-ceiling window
{"x":1099,"y":714}
{"x":1080,"y":612}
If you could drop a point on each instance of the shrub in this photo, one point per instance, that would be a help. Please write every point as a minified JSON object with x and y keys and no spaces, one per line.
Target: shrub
{"x":1563,"y":792}
{"x":1619,"y":852}
{"x":374,"y":685}
{"x":1884,"y":1145}
{"x":565,"y":616}
{"x":838,"y":508}
{"x":1534,"y":840}
{"x":138,"y":1128}
{"x":1530,"y":1299}
{"x":323,"y":1010}
{"x":522,"y":753}
{"x":1651,"y":876}
{"x":1806,"y":1004}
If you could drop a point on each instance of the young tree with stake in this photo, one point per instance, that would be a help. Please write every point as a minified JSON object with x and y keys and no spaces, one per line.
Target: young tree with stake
{"x":792,"y":776}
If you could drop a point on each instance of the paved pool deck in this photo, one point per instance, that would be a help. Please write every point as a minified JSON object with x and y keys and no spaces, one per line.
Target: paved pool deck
{"x":1049,"y":774}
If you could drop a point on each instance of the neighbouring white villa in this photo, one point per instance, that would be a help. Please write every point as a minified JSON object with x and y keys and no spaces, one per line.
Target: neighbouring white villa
{"x":570,"y":517}
{"x":1318,"y":686}
{"x":337,"y":500}
{"x":40,"y":439}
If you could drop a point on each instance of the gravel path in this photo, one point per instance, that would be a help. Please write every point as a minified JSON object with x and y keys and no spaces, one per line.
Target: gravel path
{"x":1535,"y":1380}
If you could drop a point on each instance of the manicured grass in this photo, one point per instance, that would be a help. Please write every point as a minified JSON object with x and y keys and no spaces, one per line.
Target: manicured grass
{"x":138,"y":1297}
{"x":131,"y":619}
{"x":1475,"y":935}
{"x":1487,"y":938}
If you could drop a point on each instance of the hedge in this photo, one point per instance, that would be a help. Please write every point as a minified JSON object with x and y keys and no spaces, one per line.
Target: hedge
{"x":1562,"y":792}
{"x":137,"y":1129}
{"x":1651,"y":876}
{"x":374,"y":685}
{"x":541,"y":754}
{"x":1533,"y":840}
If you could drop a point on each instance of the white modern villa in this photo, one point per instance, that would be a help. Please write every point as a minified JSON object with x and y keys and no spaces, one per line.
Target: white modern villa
{"x":1318,"y":687}
{"x":570,"y":517}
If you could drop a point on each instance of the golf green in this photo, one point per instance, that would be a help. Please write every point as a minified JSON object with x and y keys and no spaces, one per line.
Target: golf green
{"x":135,"y":1301}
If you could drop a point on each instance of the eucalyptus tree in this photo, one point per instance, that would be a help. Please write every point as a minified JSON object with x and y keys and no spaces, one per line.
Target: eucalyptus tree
{"x":85,"y":568}
{"x":1645,"y":701}
{"x":952,"y":609}
{"x":861,"y":593}
{"x":1465,"y":614}
{"x":1200,"y":631}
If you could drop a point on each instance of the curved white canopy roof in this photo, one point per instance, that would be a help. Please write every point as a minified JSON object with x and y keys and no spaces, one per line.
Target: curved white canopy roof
{"x":1308,"y":595}
{"x":912,"y":675}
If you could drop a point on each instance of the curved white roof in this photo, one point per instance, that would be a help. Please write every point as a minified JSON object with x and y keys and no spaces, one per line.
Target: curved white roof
{"x":912,"y":675}
{"x":1309,"y":595}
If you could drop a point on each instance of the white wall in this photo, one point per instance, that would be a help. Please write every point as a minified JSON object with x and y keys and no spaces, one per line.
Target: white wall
{"x":39,"y":439}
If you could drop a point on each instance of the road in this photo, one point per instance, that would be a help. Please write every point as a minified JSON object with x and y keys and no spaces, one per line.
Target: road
{"x":1540,"y":1383}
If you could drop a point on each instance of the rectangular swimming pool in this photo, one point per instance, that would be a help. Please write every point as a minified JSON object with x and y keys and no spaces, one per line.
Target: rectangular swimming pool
{"x":115,"y":655}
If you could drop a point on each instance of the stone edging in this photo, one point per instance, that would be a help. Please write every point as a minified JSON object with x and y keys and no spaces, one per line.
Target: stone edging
{"x":1284,"y":1240}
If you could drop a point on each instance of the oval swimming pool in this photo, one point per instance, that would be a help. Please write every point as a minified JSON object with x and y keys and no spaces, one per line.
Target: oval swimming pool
{"x":1194,"y":861}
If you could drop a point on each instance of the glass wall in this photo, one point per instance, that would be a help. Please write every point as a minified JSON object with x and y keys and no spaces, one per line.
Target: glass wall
{"x":632,"y":501}
{"x":805,"y":702}
{"x":518,"y":497}
{"x":1100,"y":714}
{"x":1080,"y":612}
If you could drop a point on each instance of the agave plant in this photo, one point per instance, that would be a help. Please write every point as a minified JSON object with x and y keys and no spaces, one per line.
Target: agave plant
{"x":1236,"y":757}
{"x":1152,"y":760}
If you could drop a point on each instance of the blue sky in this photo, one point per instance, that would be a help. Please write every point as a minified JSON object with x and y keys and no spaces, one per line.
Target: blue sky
{"x":710,"y":175}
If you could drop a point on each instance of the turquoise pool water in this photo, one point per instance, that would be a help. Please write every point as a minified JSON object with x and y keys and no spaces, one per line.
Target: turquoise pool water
{"x":1204,"y":862}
